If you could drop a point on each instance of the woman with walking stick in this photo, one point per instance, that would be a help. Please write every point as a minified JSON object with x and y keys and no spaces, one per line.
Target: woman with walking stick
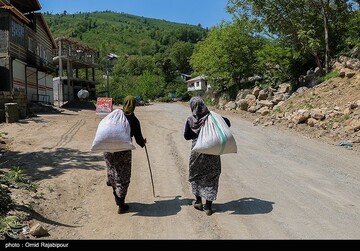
{"x":118,"y":164}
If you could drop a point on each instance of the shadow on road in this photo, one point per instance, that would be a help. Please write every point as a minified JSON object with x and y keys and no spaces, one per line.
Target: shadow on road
{"x":160,"y":208}
{"x":173,"y":206}
{"x":39,"y":217}
{"x":50,"y":163}
{"x":247,"y":205}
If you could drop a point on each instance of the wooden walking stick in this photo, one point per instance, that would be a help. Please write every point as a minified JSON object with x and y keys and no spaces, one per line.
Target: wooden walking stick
{"x":152,"y":182}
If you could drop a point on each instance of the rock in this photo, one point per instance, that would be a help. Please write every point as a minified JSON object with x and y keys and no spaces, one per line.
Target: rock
{"x":38,"y":230}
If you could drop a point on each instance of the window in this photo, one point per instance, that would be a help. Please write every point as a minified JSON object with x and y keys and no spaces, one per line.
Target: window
{"x":31,"y":45}
{"x":17,"y":33}
{"x":41,"y":50}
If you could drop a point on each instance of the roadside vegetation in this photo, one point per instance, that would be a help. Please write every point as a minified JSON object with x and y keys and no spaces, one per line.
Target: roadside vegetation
{"x":14,"y":178}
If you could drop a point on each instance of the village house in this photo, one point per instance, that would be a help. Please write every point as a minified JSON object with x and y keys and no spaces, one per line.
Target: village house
{"x":199,"y":83}
{"x":35,"y":67}
{"x":26,"y":51}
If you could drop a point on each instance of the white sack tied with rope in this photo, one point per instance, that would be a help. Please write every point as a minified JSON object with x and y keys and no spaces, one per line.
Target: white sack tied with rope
{"x":215,"y":137}
{"x":113,"y":134}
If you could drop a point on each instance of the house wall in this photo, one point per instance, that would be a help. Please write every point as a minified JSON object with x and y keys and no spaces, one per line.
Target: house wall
{"x":4,"y":74}
{"x":44,"y":48}
{"x":19,"y":75}
{"x":25,"y":53}
{"x":4,"y":33}
{"x":31,"y":46}
{"x":45,"y":88}
{"x":197,"y":85}
{"x":17,"y":39}
{"x":4,"y":56}
{"x":31,"y":83}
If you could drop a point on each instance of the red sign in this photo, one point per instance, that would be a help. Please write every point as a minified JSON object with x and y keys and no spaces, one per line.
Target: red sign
{"x":104,"y":106}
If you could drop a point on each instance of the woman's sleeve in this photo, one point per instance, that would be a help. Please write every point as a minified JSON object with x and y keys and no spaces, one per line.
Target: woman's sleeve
{"x":188,"y":133}
{"x":227,"y":121}
{"x":136,"y":131}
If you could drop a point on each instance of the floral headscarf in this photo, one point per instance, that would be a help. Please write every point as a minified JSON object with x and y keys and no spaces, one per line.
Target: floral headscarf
{"x":129,"y":105}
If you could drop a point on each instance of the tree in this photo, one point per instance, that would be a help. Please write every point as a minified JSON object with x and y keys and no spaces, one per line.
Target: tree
{"x":228,"y":54}
{"x":149,"y":86}
{"x":180,"y":54}
{"x":274,"y":63}
{"x":304,"y":24}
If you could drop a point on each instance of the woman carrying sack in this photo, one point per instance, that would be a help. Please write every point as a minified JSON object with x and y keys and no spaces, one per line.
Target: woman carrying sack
{"x":118,"y":164}
{"x":204,"y":169}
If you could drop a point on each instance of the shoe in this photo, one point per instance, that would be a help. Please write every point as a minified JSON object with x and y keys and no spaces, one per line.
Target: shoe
{"x":123,"y":209}
{"x":198,"y":206}
{"x":208,"y":210}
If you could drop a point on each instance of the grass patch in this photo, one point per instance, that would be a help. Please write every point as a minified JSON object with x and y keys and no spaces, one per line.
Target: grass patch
{"x":328,"y":76}
{"x":3,"y":134}
{"x":308,"y":104}
{"x":11,"y":222}
{"x":16,"y":178}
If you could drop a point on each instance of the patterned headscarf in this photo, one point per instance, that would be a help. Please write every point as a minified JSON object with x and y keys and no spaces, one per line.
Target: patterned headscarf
{"x":199,"y":113}
{"x":129,"y":105}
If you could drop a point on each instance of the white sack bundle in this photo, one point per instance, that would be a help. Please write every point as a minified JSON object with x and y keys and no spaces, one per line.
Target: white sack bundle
{"x":83,"y":94}
{"x":113,"y":134}
{"x":215,"y":137}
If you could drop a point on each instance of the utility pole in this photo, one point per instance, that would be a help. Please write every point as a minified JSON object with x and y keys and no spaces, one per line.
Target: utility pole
{"x":109,"y":57}
{"x":107,"y":78}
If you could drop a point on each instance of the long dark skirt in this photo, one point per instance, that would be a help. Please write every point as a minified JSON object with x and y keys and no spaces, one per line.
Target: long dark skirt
{"x":204,"y":174}
{"x":118,"y":165}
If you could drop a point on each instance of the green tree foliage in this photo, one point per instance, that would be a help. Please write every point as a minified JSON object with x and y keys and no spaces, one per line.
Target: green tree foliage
{"x":228,"y":54}
{"x":180,"y":54}
{"x":305,"y":25}
{"x":352,"y":34}
{"x":127,"y":34}
{"x":274,"y":62}
{"x":150,"y":86}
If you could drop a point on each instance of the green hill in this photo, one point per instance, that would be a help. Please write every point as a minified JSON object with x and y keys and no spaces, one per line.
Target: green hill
{"x":151,"y":52}
{"x":122,"y":33}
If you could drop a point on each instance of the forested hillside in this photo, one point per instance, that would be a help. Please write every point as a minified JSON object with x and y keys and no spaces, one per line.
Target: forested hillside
{"x":122,"y":33}
{"x":273,"y":41}
{"x":149,"y":49}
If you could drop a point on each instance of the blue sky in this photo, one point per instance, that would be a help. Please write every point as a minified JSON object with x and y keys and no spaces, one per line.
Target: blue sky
{"x":205,"y":12}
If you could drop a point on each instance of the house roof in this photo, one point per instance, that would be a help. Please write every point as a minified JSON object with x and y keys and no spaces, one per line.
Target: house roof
{"x":202,"y":77}
{"x":26,"y":6}
{"x":15,"y":12}
{"x":21,"y":7}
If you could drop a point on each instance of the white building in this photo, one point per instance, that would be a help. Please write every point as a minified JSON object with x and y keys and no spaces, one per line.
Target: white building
{"x":198,"y":83}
